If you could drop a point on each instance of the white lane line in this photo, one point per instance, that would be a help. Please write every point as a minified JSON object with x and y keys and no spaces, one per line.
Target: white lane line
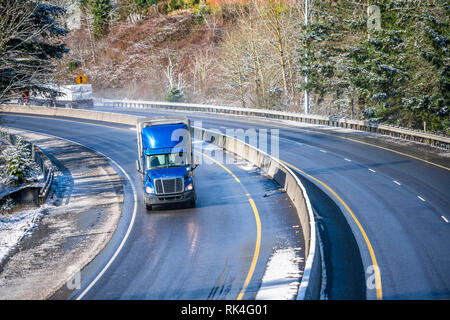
{"x":445,"y":219}
{"x":133,"y":217}
{"x":372,"y":170}
{"x":124,"y":239}
{"x":396,"y":182}
{"x":348,"y":160}
{"x":292,"y":141}
{"x":373,"y":145}
{"x":323,"y":151}
{"x":421,"y":198}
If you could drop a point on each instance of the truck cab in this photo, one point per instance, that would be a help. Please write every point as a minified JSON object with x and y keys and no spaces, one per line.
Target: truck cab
{"x":165,"y":161}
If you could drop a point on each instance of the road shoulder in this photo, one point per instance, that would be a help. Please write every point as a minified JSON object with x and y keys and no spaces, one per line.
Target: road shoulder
{"x":80,"y":216}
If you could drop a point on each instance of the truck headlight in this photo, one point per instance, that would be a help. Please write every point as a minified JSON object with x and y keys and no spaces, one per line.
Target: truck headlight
{"x":189,"y":187}
{"x":149,"y":190}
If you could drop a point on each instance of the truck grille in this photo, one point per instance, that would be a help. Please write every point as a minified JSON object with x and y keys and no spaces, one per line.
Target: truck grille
{"x":169,"y":186}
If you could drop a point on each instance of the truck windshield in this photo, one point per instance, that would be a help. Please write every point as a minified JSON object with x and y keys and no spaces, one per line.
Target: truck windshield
{"x":159,"y":161}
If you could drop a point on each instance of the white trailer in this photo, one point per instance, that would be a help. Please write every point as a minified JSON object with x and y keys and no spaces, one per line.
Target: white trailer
{"x":71,"y":96}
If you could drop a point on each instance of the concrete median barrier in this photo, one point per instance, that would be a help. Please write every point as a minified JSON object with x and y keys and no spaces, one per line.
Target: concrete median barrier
{"x":312,"y":276}
{"x":72,"y":113}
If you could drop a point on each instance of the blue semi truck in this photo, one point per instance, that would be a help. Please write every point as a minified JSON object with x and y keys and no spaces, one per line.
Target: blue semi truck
{"x":165,"y":160}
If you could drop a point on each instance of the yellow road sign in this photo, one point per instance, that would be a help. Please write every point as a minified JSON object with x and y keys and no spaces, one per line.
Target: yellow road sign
{"x":81,"y":79}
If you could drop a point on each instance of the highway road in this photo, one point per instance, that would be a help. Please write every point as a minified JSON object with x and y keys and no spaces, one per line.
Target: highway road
{"x":175,"y":252}
{"x":388,"y":211}
{"x":374,"y":208}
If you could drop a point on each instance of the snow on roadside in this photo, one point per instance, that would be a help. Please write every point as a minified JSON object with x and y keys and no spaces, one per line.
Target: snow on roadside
{"x":246,"y":165}
{"x":14,"y":227}
{"x":282,"y":276}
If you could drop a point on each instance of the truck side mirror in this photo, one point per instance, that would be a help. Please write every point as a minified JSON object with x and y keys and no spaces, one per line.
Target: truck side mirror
{"x":196,"y":162}
{"x":138,"y":168}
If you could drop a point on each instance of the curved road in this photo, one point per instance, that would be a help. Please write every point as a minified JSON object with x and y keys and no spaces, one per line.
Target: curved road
{"x":396,"y":207}
{"x":176,"y":252}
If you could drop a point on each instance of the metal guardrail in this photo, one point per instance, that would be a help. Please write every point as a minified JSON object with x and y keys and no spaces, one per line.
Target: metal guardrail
{"x":440,"y":141}
{"x":41,"y":160}
{"x":43,"y":193}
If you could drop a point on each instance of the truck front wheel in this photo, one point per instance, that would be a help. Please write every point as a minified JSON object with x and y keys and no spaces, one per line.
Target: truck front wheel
{"x":191,"y":204}
{"x":148,"y":205}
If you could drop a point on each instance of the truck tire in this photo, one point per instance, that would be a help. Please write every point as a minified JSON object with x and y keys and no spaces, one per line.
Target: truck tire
{"x":149,"y":207}
{"x":192,"y":204}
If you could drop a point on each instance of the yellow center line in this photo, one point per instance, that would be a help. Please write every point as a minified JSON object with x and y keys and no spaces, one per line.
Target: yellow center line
{"x":257,"y":249}
{"x":366,"y":239}
{"x":223,"y":167}
{"x":258,"y":229}
{"x":252,"y":203}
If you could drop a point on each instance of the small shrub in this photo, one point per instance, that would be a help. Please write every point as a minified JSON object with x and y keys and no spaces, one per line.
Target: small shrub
{"x":173,"y":5}
{"x":200,"y":11}
{"x":190,"y":3}
{"x":175,"y":95}
{"x":17,"y":162}
{"x":73,"y":65}
{"x":7,"y":206}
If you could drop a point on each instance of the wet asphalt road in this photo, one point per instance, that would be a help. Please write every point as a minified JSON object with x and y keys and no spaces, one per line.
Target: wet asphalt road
{"x":401,"y":204}
{"x":176,"y":252}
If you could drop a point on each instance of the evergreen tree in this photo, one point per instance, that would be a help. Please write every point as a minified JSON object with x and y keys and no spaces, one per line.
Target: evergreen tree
{"x":313,"y":56}
{"x":17,"y":162}
{"x":175,"y":95}
{"x":428,"y":94}
{"x":378,"y":68}
{"x":321,"y":51}
{"x":29,"y":44}
{"x":402,"y":71}
{"x":101,"y":10}
{"x":399,"y":74}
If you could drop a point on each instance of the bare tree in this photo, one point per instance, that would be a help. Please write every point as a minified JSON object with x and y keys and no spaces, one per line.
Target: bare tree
{"x":257,"y":55}
{"x":29,"y":43}
{"x":203,"y":66}
{"x":174,"y":78}
{"x":235,"y":76}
